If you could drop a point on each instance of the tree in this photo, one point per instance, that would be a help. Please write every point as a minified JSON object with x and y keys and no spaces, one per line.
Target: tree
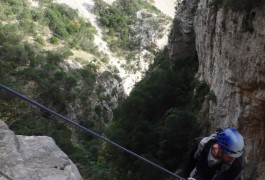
{"x":177,"y":137}
{"x":155,"y":121}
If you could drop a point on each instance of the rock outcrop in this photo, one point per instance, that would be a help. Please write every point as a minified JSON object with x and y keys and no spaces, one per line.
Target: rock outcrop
{"x":230,"y":47}
{"x":32,"y":158}
{"x":181,"y":41}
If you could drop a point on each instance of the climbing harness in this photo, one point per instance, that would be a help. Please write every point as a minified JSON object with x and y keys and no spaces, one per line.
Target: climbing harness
{"x":87,"y":130}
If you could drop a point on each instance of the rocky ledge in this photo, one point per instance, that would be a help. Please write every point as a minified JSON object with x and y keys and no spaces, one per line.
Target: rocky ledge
{"x":33,"y":157}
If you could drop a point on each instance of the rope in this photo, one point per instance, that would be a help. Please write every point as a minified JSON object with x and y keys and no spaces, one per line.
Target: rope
{"x":88,"y":130}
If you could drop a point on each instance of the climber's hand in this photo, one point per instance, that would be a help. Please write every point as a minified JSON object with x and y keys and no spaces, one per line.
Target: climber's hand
{"x":190,"y":178}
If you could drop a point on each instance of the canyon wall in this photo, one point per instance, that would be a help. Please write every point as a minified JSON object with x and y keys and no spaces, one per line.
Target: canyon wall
{"x":230,"y":44}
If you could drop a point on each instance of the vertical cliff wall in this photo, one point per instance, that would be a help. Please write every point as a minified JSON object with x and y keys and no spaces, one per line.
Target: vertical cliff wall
{"x":230,"y":46}
{"x":181,"y":42}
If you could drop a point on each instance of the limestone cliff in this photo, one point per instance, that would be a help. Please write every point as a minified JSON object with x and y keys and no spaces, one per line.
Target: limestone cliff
{"x":31,"y":158}
{"x":181,"y":42}
{"x":230,"y":47}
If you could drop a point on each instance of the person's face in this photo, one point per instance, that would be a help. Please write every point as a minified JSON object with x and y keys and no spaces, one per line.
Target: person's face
{"x":228,"y":159}
{"x":217,"y":153}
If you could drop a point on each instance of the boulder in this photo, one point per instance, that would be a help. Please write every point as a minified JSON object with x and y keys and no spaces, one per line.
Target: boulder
{"x":32,"y":158}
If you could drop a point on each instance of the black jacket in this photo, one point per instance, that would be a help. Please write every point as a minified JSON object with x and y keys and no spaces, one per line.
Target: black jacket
{"x":220,"y":171}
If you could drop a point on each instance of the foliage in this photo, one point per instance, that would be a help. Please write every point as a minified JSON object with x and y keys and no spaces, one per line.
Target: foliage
{"x":51,"y":86}
{"x":35,"y":124}
{"x":157,"y":111}
{"x":175,"y":141}
{"x":40,"y":40}
{"x":27,"y":25}
{"x":66,"y":24}
{"x":63,"y":21}
{"x":37,"y":73}
{"x":54,"y":40}
{"x":11,"y":8}
{"x":119,"y":21}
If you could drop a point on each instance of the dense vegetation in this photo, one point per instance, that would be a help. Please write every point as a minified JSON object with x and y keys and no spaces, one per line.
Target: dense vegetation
{"x":28,"y":62}
{"x":158,"y":120}
{"x":120,"y":20}
{"x":34,"y":43}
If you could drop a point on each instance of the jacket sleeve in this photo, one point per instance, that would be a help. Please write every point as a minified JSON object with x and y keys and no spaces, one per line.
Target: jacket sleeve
{"x":191,"y":163}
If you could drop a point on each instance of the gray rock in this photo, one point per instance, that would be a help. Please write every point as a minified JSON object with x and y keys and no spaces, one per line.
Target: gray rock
{"x":181,"y":42}
{"x":33,"y":158}
{"x":230,"y":45}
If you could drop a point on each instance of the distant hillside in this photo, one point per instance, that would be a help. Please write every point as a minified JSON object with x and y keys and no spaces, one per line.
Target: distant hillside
{"x":51,"y":54}
{"x":128,"y":35}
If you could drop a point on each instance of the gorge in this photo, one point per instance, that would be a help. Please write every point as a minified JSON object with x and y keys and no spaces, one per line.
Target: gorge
{"x":214,"y":46}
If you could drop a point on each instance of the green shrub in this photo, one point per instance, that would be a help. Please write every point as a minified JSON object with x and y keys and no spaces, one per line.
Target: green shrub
{"x":59,"y":75}
{"x":54,"y":40}
{"x":56,"y":24}
{"x":70,"y":82}
{"x":26,"y":14}
{"x":40,"y":40}
{"x":67,"y":54}
{"x":54,"y":58}
{"x":27,"y":25}
{"x":37,"y":16}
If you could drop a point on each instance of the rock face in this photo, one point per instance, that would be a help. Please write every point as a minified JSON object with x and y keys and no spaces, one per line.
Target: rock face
{"x":32,"y":158}
{"x":230,"y":47}
{"x":181,"y":42}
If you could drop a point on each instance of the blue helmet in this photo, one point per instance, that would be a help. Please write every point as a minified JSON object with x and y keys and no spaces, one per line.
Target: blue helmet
{"x":231,"y":142}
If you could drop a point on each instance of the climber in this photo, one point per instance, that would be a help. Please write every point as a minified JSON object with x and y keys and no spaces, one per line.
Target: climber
{"x":217,"y":157}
